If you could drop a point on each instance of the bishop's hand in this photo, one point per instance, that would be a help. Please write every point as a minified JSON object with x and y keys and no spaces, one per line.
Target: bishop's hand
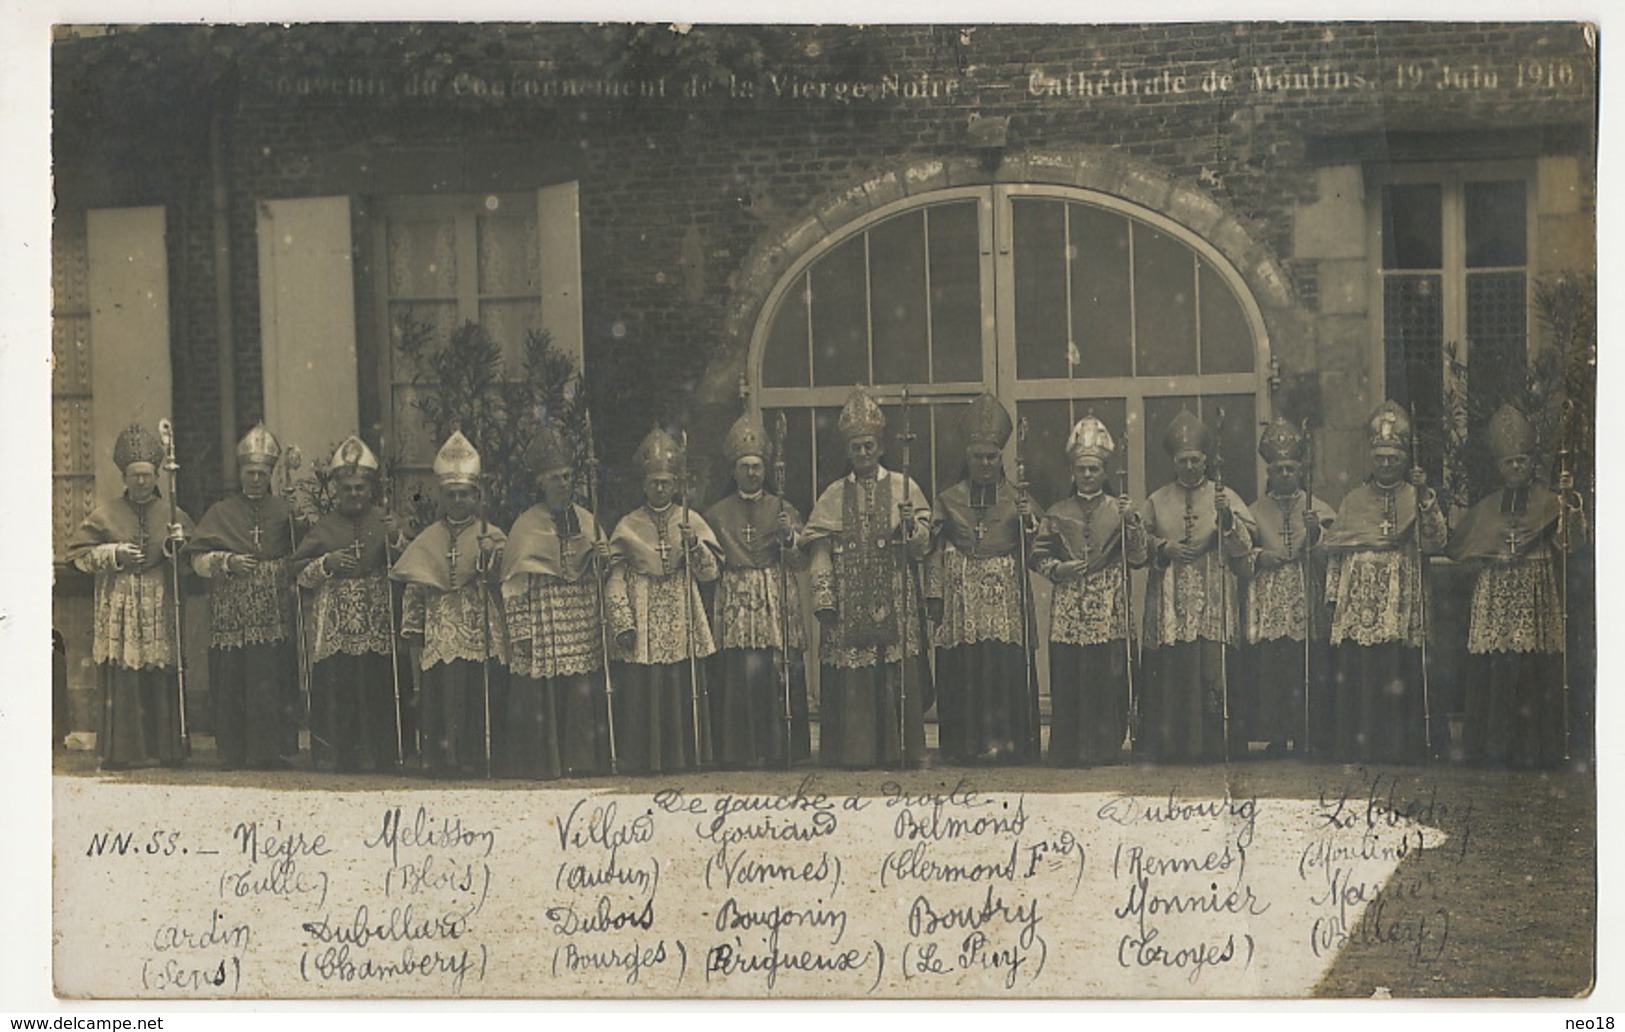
{"x":1069,"y":570}
{"x":341,"y":560}
{"x":1182,"y":553}
{"x":240,"y":564}
{"x":127,"y":554}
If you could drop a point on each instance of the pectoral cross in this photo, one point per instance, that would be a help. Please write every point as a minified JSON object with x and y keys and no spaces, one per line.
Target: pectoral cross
{"x":1512,"y":540}
{"x":1386,"y":527}
{"x":663,"y":548}
{"x":748,"y":533}
{"x":980,"y":530}
{"x":451,"y":557}
{"x":256,"y":534}
{"x":1190,"y":521}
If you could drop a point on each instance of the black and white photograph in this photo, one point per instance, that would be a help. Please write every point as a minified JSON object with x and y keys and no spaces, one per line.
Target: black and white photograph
{"x":637,"y":510}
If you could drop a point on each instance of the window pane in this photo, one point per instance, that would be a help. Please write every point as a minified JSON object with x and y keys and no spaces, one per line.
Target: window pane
{"x":956,"y":292}
{"x":1164,"y":304}
{"x":1411,"y":233}
{"x":897,"y":298}
{"x":509,"y":255}
{"x":1497,"y":338}
{"x":1049,"y":423}
{"x":1413,"y":339}
{"x":949,"y":438}
{"x":1102,"y":326}
{"x":1227,"y":340}
{"x":411,"y":445}
{"x":1413,"y":356}
{"x":1236,"y":444}
{"x":436,"y":318}
{"x":1039,"y":237}
{"x":508,"y":322}
{"x":422,"y":257}
{"x":840,"y":324}
{"x":797,"y":456}
{"x":921,"y":454}
{"x":831,"y":449}
{"x":1497,"y":228}
{"x":784,"y":355}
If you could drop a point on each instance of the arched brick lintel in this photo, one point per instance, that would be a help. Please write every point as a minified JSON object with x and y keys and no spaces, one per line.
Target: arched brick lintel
{"x":1094,"y":169}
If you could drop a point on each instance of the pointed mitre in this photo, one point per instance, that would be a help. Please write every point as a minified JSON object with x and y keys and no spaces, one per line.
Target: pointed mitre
{"x":1390,"y":428}
{"x":1282,"y":441}
{"x":987,"y":421}
{"x":259,"y":445}
{"x":1187,"y":433}
{"x":1090,"y":439}
{"x":860,"y":416}
{"x":659,"y":453}
{"x":746,"y":437}
{"x":136,"y":443}
{"x":458,"y":461}
{"x":1510,"y":433}
{"x":550,"y":449}
{"x":353,"y":456}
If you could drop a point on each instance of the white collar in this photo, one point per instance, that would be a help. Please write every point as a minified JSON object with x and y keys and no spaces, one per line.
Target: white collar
{"x":752,"y":497}
{"x":881,"y":473}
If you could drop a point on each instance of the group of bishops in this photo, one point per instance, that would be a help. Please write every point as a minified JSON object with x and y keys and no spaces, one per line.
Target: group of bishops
{"x":558,"y":648}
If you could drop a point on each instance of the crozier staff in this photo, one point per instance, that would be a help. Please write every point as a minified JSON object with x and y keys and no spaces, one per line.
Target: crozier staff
{"x":660,"y":554}
{"x":1374,"y":585}
{"x":354,"y":718}
{"x":759,"y":707}
{"x":856,"y":535}
{"x":559,"y":708}
{"x":451,"y":620}
{"x":1196,"y":528}
{"x":1085,"y":545}
{"x":124,"y":543}
{"x":242,"y":546}
{"x":1514,"y":537}
{"x":1286,"y":620}
{"x":976,"y":595}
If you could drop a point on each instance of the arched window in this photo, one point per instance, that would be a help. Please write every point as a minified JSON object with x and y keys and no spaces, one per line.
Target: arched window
{"x":1060,"y":301}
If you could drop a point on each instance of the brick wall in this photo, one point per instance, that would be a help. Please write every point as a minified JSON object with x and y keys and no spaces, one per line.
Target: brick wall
{"x":689,"y":205}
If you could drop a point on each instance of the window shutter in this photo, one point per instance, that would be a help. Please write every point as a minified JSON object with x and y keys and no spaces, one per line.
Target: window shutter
{"x":558,"y":210}
{"x":307,"y":322}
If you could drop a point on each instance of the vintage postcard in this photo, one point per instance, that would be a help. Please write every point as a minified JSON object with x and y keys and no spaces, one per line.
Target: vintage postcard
{"x":993,"y":511}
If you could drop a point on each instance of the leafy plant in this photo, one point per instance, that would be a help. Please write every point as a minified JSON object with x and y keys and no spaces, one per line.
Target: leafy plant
{"x":462,"y":384}
{"x":1557,"y":394}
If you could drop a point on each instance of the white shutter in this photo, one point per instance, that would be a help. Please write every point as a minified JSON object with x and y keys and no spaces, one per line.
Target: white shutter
{"x":128,"y":282}
{"x":558,"y":215}
{"x":307,"y":322}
